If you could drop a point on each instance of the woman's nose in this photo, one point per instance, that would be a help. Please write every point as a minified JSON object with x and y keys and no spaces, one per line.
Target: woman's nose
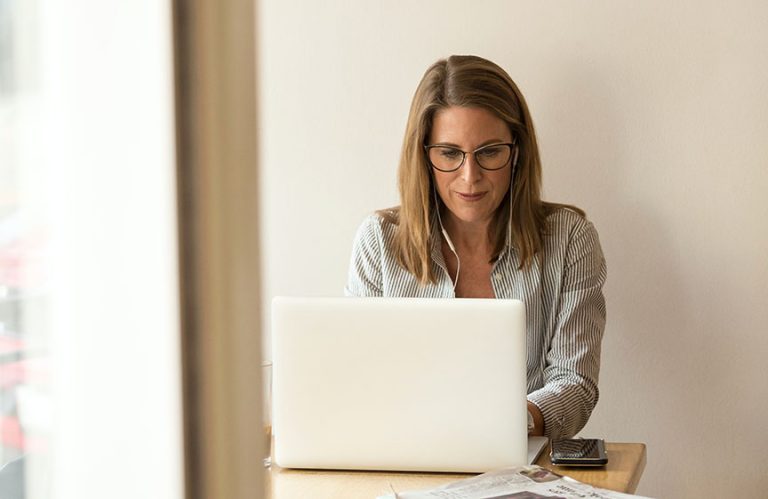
{"x":470,"y":170}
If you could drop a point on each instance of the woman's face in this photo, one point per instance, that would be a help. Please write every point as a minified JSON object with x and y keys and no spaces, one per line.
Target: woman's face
{"x":470,"y":193}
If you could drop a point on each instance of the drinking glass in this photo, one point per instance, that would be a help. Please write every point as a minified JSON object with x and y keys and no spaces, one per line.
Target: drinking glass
{"x":266,"y":403}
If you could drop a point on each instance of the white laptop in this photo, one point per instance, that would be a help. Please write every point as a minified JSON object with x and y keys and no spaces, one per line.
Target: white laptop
{"x":408,"y":384}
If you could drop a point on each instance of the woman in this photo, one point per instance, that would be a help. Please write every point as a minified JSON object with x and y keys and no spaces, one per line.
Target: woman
{"x":472,"y":224}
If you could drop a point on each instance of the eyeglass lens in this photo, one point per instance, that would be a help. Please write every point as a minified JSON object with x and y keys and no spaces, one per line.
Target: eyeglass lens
{"x":491,"y":157}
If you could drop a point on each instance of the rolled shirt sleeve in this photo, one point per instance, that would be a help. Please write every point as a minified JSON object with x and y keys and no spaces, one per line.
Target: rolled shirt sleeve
{"x":570,"y":390}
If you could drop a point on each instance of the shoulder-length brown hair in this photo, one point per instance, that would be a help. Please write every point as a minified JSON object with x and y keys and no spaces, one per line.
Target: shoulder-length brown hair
{"x":468,"y":81}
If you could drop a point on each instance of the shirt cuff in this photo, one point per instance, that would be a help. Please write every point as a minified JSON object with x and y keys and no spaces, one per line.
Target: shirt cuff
{"x":552,"y":411}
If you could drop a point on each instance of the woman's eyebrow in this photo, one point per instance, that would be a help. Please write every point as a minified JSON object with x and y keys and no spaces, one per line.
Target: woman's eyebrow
{"x":493,"y":141}
{"x":483,"y":144}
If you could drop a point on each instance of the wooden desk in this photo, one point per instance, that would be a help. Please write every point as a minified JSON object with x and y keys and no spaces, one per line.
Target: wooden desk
{"x":626,"y":463}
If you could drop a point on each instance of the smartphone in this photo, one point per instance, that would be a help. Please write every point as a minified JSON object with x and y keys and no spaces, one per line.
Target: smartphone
{"x":579,"y":452}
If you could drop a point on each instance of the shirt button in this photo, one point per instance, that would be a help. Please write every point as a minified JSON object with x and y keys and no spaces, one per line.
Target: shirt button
{"x":497,"y":277}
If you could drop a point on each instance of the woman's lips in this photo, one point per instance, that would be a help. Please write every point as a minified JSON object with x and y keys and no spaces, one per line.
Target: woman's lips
{"x":476,"y":196}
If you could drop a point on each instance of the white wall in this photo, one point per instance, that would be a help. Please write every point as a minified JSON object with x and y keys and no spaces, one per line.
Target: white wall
{"x":653,"y":116}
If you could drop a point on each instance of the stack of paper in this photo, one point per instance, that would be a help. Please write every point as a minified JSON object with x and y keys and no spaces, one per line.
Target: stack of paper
{"x":524,"y":482}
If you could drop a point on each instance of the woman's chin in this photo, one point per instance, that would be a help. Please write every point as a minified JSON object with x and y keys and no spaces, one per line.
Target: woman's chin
{"x":472,"y":216}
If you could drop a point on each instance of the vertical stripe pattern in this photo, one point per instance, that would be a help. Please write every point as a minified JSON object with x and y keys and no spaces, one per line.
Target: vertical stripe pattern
{"x":562,"y":293}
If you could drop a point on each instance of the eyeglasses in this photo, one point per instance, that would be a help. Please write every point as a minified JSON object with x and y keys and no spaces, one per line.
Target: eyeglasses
{"x":449,"y":159}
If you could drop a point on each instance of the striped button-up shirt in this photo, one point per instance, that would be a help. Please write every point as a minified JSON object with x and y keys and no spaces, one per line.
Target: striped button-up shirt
{"x":564,"y":305}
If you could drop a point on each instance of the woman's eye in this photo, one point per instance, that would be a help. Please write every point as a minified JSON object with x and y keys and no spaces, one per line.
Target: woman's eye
{"x":489,"y":152}
{"x":449,"y":153}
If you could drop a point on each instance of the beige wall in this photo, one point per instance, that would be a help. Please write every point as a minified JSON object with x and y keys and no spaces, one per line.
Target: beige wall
{"x":653,"y":116}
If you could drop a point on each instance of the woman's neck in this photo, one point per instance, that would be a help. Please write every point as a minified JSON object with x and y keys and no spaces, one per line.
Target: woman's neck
{"x":468,"y":238}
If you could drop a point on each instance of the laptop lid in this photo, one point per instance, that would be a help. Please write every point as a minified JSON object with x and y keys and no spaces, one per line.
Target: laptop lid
{"x":406,"y":384}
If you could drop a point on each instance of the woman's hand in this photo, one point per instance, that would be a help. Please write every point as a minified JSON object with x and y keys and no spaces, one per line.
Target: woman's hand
{"x":538,"y":420}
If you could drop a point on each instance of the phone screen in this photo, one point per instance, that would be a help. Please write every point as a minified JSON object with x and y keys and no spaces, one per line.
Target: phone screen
{"x":578,"y":448}
{"x":586,"y":452}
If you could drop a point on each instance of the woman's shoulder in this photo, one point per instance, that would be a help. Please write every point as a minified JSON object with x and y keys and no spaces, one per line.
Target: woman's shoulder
{"x":380,"y":223}
{"x":385,"y":220}
{"x":565,"y":221}
{"x":572,"y":240}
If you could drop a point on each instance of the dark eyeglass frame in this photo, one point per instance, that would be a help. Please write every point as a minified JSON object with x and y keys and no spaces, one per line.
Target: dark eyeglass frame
{"x":511,"y":145}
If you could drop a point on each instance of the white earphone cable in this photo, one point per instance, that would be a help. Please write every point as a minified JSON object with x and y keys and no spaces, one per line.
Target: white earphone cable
{"x":447,"y":239}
